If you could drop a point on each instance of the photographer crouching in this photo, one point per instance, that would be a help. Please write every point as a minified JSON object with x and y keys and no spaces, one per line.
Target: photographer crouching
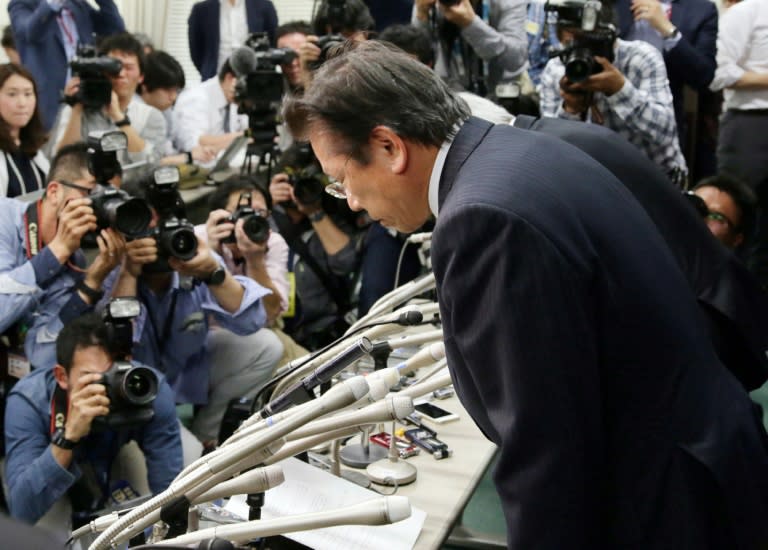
{"x":65,"y":426}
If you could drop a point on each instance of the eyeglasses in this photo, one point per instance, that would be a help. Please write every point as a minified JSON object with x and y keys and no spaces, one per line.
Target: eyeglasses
{"x":71,"y":185}
{"x":335,"y":188}
{"x":704,"y":211}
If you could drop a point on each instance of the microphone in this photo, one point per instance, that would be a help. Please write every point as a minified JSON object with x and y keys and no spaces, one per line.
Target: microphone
{"x":392,"y":408}
{"x":425,"y":356}
{"x":253,"y":481}
{"x":302,"y":391}
{"x":243,"y":61}
{"x":378,"y":511}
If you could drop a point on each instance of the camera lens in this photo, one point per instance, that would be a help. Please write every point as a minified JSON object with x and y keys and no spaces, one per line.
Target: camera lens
{"x":256,"y":228}
{"x":308,"y":190}
{"x":132,"y":217}
{"x":183,"y":244}
{"x":139,"y":386}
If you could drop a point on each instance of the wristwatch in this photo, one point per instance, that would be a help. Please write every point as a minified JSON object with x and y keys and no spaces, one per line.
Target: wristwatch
{"x":62,"y":442}
{"x":125,"y":122}
{"x":216,"y":277}
{"x":315,"y":217}
{"x":93,"y":295}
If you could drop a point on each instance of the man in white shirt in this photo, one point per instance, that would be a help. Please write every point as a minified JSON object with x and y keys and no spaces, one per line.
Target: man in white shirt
{"x":207,"y":114}
{"x":742,"y":72}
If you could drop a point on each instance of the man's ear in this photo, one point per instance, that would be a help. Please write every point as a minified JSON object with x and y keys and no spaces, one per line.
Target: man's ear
{"x":60,"y":374}
{"x":384,"y":140}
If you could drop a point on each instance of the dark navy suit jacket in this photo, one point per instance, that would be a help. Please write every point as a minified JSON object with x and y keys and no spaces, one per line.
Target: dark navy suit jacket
{"x":735,"y":306}
{"x":692,"y":60}
{"x":41,"y":47}
{"x":576,"y":345}
{"x":203,"y":30}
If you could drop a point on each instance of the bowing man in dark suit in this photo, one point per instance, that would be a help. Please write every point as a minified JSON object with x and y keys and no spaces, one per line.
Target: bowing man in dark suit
{"x":735,"y":307}
{"x":237,"y":18}
{"x":573,"y":339}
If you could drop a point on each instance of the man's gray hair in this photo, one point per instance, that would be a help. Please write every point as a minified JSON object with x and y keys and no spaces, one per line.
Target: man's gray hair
{"x":371,"y":84}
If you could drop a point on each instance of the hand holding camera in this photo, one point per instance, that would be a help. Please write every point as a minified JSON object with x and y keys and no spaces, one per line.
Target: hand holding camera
{"x":459,"y":12}
{"x":87,"y":400}
{"x":608,"y":80}
{"x":111,"y":250}
{"x":280,"y":188}
{"x":199,"y":266}
{"x":218,"y":227}
{"x":75,"y":220}
{"x":252,"y":250}
{"x":138,"y":253}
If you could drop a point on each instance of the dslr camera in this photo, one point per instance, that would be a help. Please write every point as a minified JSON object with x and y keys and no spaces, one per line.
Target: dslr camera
{"x":255,"y":224}
{"x":112,"y":206}
{"x":590,"y":39}
{"x":175,"y":236}
{"x":94,"y":71}
{"x":325,"y":43}
{"x":131,"y":389}
{"x":308,"y":183}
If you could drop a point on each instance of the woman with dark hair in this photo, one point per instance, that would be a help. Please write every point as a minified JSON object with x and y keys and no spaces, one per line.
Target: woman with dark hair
{"x":23,"y":168}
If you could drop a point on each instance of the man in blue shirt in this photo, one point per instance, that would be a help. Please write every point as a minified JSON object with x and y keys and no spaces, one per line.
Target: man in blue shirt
{"x":52,"y":448}
{"x":179,"y":303}
{"x":43,"y":279}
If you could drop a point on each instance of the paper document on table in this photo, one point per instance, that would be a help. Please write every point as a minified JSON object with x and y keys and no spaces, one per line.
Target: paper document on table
{"x":309,"y":489}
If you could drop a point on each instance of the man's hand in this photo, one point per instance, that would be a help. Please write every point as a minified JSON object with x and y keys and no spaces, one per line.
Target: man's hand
{"x":461,"y":14}
{"x":422,"y":9}
{"x":139,"y":253}
{"x":309,"y":53}
{"x":111,"y":249}
{"x":200,"y":266}
{"x":653,"y":12}
{"x":608,"y":81}
{"x":87,"y":400}
{"x":203,"y":153}
{"x":114,"y":112}
{"x":251,"y":251}
{"x":72,"y":86}
{"x":217,"y":232}
{"x":75,"y":220}
{"x":280,"y":188}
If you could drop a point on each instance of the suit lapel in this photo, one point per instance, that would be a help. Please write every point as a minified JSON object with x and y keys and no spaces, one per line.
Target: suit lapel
{"x":469,"y":137}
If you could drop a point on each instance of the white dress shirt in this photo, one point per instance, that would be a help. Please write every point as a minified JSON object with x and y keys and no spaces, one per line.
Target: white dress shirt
{"x":233,"y":28}
{"x":200,"y":111}
{"x":742,"y":45}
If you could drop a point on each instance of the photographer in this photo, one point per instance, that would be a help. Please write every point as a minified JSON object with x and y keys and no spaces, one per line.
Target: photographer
{"x":43,"y":279}
{"x":629,"y":94}
{"x":183,"y":292}
{"x":144,"y":125}
{"x":325,"y":242}
{"x":334,"y":21}
{"x":500,"y":41}
{"x":53,"y":447}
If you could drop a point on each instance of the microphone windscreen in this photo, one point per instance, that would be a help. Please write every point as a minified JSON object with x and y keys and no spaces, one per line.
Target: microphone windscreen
{"x":243,"y":61}
{"x":398,"y":508}
{"x":410,"y":318}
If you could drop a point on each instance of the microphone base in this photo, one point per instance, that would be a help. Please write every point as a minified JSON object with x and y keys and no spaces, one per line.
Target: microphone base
{"x":358,"y":478}
{"x":358,"y":456}
{"x":388,"y":472}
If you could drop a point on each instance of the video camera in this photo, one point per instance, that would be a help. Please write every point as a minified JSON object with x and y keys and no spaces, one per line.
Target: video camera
{"x":131,"y":389}
{"x":590,"y":39}
{"x":112,"y":207}
{"x":94,"y":71}
{"x":255,"y":224}
{"x":259,"y":88}
{"x":175,"y":236}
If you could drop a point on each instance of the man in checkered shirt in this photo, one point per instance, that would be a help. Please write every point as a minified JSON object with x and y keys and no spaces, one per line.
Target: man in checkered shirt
{"x":630,"y":95}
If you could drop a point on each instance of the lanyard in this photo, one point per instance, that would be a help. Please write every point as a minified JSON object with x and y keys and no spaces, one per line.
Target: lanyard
{"x":59,"y":408}
{"x":32,"y":229}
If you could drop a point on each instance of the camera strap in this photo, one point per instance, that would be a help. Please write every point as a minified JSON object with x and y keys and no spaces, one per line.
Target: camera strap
{"x":34,"y":240}
{"x":59,"y":408}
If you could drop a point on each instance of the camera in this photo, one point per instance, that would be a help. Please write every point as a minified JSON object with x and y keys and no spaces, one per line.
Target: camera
{"x":591,"y":38}
{"x":175,"y":236}
{"x":94,"y":71}
{"x":450,"y":2}
{"x":112,"y":207}
{"x":325,"y":43}
{"x":308,"y":185}
{"x":255,"y":224}
{"x":131,"y":389}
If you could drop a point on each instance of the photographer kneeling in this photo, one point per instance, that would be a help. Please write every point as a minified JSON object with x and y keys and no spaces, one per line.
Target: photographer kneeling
{"x":184,"y":288}
{"x":326,"y":246}
{"x":62,"y":433}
